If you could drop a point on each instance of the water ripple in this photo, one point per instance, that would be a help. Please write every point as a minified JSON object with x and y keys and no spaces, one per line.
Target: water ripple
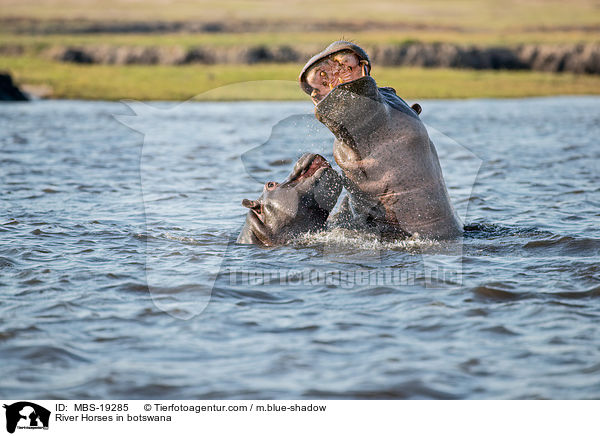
{"x":101,"y":233}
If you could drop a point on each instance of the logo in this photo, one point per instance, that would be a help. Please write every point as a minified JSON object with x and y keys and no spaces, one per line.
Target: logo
{"x":26,"y":415}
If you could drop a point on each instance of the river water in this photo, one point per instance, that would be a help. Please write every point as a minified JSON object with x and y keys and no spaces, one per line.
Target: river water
{"x":120,"y":276}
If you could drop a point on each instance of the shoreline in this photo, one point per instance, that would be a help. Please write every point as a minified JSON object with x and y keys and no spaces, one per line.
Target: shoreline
{"x":273,"y":82}
{"x":66,"y":100}
{"x":575,"y":58}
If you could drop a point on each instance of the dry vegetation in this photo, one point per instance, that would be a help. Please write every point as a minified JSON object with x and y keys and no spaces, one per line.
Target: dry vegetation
{"x":465,"y":14}
{"x":481,"y":22}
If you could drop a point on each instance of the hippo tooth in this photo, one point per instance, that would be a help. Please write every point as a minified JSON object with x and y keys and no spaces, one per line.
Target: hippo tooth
{"x":363,"y":65}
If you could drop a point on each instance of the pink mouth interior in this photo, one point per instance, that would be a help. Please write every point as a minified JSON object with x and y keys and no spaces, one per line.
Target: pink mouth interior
{"x":317,"y":163}
{"x":336,"y":69}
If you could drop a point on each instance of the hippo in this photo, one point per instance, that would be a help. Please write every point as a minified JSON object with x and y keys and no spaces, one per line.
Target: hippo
{"x":390,"y":166}
{"x":302,"y":203}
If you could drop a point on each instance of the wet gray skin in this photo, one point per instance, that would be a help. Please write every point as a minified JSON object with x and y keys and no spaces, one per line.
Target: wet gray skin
{"x":390,"y":166}
{"x":300,"y":204}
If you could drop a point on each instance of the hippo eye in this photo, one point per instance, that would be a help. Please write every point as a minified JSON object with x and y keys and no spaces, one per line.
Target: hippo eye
{"x":271,"y":185}
{"x":323,"y":74}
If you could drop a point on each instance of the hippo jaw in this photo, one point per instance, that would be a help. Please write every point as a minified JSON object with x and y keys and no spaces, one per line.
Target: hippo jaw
{"x":353,"y":110}
{"x":360,"y":114}
{"x":347,"y":99}
{"x":300,"y":204}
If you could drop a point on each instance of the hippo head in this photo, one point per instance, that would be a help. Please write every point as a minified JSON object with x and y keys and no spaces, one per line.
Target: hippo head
{"x":347,"y":99}
{"x":300,"y":204}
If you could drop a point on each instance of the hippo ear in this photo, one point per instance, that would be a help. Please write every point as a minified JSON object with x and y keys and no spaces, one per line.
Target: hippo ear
{"x":417,"y":108}
{"x":250,"y":204}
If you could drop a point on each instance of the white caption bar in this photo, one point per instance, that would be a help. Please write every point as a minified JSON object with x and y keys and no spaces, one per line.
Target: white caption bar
{"x":302,"y":417}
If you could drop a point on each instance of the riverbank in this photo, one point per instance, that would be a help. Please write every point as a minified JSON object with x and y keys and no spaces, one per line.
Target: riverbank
{"x":114,"y":49}
{"x":583,"y":58}
{"x":272,"y":81}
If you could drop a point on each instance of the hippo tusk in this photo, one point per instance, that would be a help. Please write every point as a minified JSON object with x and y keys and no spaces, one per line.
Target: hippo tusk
{"x":363,"y":67}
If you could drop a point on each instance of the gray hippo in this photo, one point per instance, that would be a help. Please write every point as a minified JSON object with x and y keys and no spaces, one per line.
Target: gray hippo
{"x":390,"y":166}
{"x":300,"y":204}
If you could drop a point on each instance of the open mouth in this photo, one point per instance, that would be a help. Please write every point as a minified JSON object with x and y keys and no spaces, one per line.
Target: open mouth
{"x":334,"y":70}
{"x":307,"y":169}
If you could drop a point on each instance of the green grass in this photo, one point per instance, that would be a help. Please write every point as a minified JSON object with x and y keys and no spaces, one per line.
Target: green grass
{"x":466,"y":14}
{"x":275,"y":82}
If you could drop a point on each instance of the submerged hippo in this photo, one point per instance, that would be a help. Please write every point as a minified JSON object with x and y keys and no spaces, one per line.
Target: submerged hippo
{"x":300,"y":204}
{"x":391,"y":168}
